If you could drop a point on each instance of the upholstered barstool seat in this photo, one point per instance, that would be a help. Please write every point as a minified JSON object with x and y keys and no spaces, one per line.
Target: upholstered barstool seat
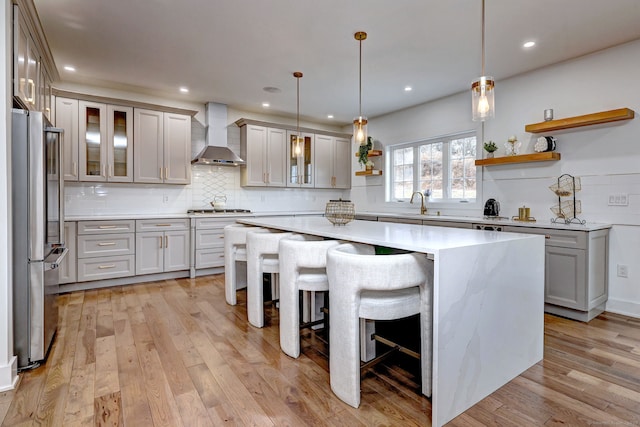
{"x":262,"y":257}
{"x":363,"y":285}
{"x":235,"y":258}
{"x":303,"y":261}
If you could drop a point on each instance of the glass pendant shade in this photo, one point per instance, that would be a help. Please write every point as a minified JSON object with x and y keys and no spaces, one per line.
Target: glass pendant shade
{"x":482,"y":98}
{"x":360,"y":130}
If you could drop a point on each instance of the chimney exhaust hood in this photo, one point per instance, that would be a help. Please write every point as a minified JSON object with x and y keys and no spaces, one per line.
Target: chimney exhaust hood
{"x":216,"y":152}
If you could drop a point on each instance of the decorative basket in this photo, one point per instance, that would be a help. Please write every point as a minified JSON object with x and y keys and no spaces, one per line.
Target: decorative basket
{"x":340,"y":212}
{"x":565,"y":186}
{"x":566,"y":209}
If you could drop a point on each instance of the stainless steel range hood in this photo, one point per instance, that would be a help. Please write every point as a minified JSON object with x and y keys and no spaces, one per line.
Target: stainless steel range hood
{"x":216,"y":152}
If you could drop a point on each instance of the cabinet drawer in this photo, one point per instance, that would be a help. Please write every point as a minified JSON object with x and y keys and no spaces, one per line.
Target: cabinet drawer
{"x":207,"y":258}
{"x":94,"y":227}
{"x":162,"y":224}
{"x":208,"y":239}
{"x":93,"y":245}
{"x":399,"y":220}
{"x":204,"y":223}
{"x":106,"y":267}
{"x":447,"y":224}
{"x":561,"y":238}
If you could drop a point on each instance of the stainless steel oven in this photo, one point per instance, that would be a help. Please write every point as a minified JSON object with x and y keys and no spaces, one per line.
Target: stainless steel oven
{"x":37,"y":205}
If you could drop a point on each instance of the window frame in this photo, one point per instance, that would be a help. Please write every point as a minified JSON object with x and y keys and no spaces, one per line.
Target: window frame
{"x":462,"y":204}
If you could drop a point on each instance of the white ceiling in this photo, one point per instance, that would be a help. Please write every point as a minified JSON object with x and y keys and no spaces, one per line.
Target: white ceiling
{"x":227,"y":51}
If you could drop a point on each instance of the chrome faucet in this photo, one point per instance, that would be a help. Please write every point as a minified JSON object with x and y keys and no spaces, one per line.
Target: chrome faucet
{"x":423,"y":208}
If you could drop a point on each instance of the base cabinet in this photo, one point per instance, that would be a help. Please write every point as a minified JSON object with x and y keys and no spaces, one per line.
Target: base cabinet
{"x":164,"y":249}
{"x":106,"y":249}
{"x":209,"y":247}
{"x":576,"y":284}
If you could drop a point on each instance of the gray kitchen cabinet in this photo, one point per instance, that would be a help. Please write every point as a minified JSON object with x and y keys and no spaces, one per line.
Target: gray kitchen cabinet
{"x":68,"y":272}
{"x":576,"y":282}
{"x":162,"y":149}
{"x":106,"y":249}
{"x":264,"y":151}
{"x":300,"y":159}
{"x":67,"y":119}
{"x":332,"y":157}
{"x":209,"y":241}
{"x":92,"y":136}
{"x":162,"y":246}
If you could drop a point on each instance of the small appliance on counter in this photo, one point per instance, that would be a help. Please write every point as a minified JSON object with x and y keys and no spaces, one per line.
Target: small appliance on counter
{"x":492,"y":208}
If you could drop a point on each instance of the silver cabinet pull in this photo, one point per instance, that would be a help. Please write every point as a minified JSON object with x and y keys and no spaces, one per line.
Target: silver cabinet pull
{"x":102,"y":267}
{"x":166,"y":173}
{"x":74,"y":165}
{"x":104,"y":227}
{"x":106,"y":243}
{"x":160,"y":173}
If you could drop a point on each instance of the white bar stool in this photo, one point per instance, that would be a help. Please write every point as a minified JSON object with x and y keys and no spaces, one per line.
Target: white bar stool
{"x":262,"y":257}
{"x":303,"y":261}
{"x":363,"y":285}
{"x":235,"y":259}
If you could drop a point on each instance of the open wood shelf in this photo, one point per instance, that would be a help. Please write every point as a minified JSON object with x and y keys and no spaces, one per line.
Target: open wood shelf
{"x":372,"y":153}
{"x":523,"y":158}
{"x":577,"y":121}
{"x":369,"y":173}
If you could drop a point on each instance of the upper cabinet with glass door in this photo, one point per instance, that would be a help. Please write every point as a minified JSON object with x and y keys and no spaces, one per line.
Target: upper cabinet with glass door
{"x":105,"y":134}
{"x":300,"y":159}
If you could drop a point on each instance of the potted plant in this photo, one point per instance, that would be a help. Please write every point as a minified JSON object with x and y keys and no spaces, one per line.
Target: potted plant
{"x":363,"y":151}
{"x":490,"y":147}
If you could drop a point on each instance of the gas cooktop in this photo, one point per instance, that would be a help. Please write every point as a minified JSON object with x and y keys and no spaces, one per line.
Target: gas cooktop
{"x":217,"y":211}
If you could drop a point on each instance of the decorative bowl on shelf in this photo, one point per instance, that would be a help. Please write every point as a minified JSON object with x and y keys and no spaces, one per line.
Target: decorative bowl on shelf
{"x":340,"y":212}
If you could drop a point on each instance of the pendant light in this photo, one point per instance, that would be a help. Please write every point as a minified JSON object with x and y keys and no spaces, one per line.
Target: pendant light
{"x":360,"y":122}
{"x":482,"y":90}
{"x":299,"y":143}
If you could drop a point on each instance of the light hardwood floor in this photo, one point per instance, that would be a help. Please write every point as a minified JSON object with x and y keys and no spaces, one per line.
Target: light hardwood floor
{"x":173,"y":353}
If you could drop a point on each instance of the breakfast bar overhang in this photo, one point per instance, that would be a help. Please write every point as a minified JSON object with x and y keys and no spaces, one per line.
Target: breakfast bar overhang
{"x":488,"y":300}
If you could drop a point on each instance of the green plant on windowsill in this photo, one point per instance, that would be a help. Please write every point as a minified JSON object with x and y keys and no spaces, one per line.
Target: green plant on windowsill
{"x":363,"y":151}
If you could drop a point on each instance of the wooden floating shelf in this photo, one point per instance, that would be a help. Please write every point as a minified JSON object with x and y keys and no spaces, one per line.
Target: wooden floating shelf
{"x":369,"y":173}
{"x":586,"y":120}
{"x":523,"y":158}
{"x":372,"y":153}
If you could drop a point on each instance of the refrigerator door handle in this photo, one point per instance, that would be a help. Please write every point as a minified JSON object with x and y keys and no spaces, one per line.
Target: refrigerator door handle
{"x":51,"y":265}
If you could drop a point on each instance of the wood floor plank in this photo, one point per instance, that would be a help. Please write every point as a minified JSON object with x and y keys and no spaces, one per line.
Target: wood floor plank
{"x":108,"y":410}
{"x":174,"y":353}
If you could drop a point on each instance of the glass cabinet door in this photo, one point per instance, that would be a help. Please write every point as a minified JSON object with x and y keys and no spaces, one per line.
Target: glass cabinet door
{"x":299,"y":153}
{"x":93,"y":164}
{"x":120,"y":147}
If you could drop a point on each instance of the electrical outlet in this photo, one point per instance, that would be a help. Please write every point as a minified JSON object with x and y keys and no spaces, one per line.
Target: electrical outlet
{"x":623,"y":270}
{"x":618,"y":200}
{"x":165,"y":199}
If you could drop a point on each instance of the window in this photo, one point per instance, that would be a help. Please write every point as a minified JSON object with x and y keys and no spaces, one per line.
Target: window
{"x":443,"y":167}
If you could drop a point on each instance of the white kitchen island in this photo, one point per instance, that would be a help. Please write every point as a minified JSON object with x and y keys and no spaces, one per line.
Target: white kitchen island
{"x":488,"y":301}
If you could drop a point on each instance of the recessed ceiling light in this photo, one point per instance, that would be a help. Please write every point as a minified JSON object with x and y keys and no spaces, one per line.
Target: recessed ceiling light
{"x":408,"y":88}
{"x":529,"y":44}
{"x":265,"y":104}
{"x":69,"y":68}
{"x":271,"y":89}
{"x":184,"y":90}
{"x":329,"y":116}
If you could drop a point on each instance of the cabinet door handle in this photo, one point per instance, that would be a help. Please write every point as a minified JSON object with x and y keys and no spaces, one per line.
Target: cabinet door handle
{"x":104,"y":170}
{"x":160,"y":173}
{"x":104,"y":227}
{"x":160,"y":242}
{"x":166,"y":241}
{"x":110,"y":171}
{"x":166,"y":173}
{"x":220,"y":256}
{"x":74,"y":165}
{"x":106,"y":244}
{"x":32,"y":92}
{"x":163,"y":225}
{"x":102,"y":267}
{"x":547,"y":236}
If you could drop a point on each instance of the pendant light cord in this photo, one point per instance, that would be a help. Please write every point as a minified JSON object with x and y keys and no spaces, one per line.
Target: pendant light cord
{"x":482,"y":37}
{"x":360,"y":81}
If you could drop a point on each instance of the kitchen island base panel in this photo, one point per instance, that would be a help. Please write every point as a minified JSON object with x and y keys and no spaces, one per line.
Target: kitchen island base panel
{"x":582,"y":316}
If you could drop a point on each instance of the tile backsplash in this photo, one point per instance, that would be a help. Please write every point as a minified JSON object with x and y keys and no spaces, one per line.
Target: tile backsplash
{"x":94,"y":199}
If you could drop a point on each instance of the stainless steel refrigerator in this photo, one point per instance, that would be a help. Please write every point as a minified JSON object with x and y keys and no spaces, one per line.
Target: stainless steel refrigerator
{"x":38,"y":233}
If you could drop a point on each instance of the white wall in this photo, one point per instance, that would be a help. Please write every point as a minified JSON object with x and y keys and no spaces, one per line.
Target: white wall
{"x":605,"y":157}
{"x":8,"y":366}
